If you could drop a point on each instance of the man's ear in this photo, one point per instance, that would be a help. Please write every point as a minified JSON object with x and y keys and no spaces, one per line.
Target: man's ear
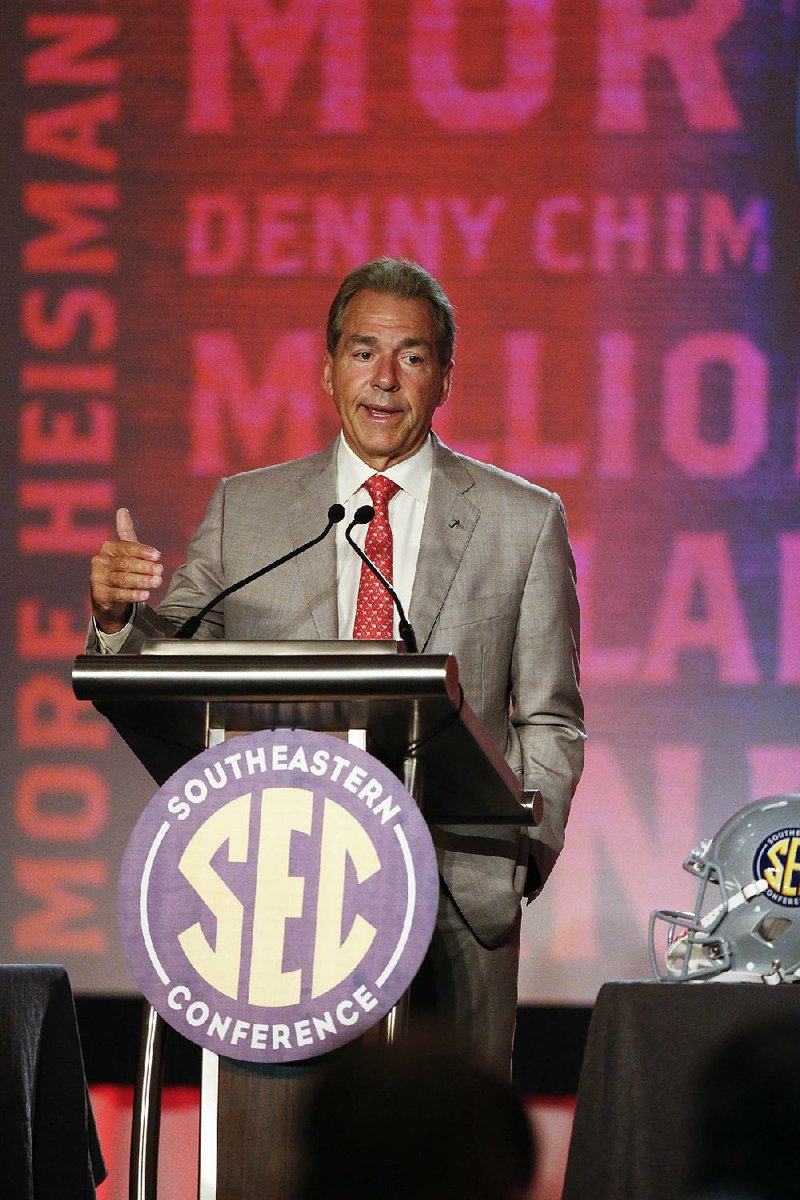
{"x":447,"y":383}
{"x":327,"y":371}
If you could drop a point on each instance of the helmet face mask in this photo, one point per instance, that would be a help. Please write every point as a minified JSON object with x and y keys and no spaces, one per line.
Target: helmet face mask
{"x":746,"y":920}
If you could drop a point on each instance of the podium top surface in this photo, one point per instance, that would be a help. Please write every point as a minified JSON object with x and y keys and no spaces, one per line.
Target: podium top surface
{"x":247,"y":672}
{"x":411,"y":705}
{"x":174,"y":648}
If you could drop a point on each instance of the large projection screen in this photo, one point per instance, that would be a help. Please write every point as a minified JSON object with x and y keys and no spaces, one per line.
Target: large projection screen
{"x":607,"y":190}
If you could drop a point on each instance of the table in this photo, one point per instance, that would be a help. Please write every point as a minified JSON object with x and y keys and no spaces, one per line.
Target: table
{"x":634,"y":1126}
{"x":48,"y":1141}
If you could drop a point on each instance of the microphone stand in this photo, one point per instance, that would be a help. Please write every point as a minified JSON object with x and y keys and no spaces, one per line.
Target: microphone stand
{"x":192,"y":624}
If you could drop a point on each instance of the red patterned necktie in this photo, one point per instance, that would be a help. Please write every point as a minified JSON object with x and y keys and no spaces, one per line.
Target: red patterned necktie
{"x":374,"y":607}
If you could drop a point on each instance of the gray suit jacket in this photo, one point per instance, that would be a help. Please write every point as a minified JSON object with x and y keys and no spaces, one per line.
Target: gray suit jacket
{"x":495,"y":585}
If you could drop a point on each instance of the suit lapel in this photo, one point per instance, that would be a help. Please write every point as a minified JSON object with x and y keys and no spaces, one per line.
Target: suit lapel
{"x":450,"y":519}
{"x":307,"y":510}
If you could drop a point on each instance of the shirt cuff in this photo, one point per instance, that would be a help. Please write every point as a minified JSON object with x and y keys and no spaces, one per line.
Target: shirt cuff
{"x":111,"y":643}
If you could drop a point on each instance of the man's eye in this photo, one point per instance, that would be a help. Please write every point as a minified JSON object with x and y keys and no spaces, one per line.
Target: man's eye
{"x":363,"y":355}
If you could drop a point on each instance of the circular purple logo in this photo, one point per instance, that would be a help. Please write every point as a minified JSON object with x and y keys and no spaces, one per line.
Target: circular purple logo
{"x":278,"y":895}
{"x":777,"y":863}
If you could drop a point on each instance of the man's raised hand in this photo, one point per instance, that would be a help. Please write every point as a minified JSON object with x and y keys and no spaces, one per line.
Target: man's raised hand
{"x":124,"y":572}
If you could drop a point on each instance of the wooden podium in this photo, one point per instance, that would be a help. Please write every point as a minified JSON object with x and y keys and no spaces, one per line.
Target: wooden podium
{"x":178,"y":697}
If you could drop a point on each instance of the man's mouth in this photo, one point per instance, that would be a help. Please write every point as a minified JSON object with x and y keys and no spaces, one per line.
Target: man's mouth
{"x":381,"y":414}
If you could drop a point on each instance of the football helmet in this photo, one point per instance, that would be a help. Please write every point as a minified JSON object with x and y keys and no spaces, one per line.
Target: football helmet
{"x":751,"y":930}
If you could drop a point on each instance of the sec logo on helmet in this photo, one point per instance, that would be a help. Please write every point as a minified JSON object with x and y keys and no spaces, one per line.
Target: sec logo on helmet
{"x":777,"y":861}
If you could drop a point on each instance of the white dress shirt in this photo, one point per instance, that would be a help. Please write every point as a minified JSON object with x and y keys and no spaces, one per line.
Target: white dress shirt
{"x":406,"y":518}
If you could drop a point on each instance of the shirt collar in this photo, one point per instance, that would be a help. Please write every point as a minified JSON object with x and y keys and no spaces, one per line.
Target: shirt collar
{"x":413,"y":474}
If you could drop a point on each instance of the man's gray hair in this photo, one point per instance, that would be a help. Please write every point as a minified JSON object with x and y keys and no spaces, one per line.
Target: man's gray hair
{"x":407,"y":281}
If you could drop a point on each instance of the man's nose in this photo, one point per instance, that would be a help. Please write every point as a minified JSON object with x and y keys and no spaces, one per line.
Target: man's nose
{"x":385,"y":375}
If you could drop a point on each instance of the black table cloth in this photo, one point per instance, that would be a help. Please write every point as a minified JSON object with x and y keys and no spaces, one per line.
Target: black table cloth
{"x":48,"y":1141}
{"x":634,"y":1125}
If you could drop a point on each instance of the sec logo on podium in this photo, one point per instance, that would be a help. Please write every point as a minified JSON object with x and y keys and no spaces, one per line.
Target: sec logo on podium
{"x":277,"y":896}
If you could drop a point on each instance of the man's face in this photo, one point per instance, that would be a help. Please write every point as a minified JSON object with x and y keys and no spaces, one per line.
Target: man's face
{"x":385,"y":377}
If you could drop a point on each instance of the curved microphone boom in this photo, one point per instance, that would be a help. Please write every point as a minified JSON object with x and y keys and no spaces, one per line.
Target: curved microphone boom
{"x":192,"y":624}
{"x":363,"y":516}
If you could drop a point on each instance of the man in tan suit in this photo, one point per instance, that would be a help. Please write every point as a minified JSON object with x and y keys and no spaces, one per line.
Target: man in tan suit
{"x":483,"y":566}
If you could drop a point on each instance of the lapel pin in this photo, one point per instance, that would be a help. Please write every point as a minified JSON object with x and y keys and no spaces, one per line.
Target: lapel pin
{"x":455,"y":523}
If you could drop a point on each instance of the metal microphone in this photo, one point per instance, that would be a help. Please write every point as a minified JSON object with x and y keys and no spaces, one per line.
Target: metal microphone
{"x":192,"y":624}
{"x":363,"y":516}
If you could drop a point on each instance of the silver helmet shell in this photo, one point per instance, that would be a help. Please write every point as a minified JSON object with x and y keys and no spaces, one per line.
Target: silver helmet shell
{"x":746,"y":920}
